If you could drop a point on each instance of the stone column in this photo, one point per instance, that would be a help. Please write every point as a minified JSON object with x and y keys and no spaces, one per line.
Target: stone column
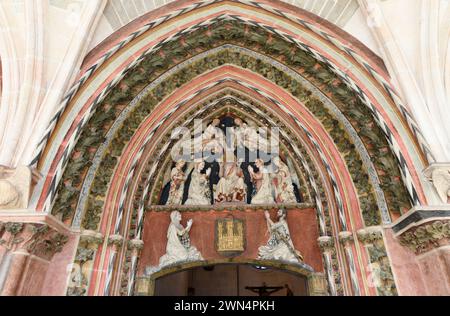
{"x":326,"y":244}
{"x":23,"y":242}
{"x":136,"y":246}
{"x":82,"y":267}
{"x":317,"y":285}
{"x":430,"y":241}
{"x":346,"y":239}
{"x":381,"y":276}
{"x":115,"y":242}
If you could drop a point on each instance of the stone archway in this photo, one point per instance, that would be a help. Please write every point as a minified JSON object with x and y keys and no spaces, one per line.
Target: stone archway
{"x":316,"y":282}
{"x":108,"y":133}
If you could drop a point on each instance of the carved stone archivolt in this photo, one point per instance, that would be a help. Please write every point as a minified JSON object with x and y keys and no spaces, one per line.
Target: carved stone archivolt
{"x":427,"y":237}
{"x":37,"y":239}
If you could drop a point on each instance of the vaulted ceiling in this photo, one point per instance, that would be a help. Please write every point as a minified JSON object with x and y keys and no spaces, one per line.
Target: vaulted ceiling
{"x":120,"y":12}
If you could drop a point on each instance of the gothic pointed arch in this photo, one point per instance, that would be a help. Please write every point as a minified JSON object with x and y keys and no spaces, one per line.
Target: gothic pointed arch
{"x":356,"y":148}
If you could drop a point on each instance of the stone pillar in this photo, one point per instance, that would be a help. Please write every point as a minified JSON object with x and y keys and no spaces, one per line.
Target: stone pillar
{"x":430,"y":241}
{"x":115,"y":242}
{"x":82,"y":267}
{"x":381,"y":276}
{"x":346,"y":239}
{"x":326,"y":244}
{"x":24,"y":245}
{"x":317,"y":285}
{"x":145,"y":286}
{"x":136,"y":246}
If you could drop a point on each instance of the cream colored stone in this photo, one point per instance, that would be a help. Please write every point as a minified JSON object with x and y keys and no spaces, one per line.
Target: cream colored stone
{"x":14,"y":187}
{"x":439,"y":175}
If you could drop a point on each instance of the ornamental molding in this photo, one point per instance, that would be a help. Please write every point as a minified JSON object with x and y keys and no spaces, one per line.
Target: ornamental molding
{"x":326,"y":243}
{"x":369,"y":235}
{"x":37,"y":239}
{"x":427,"y":237}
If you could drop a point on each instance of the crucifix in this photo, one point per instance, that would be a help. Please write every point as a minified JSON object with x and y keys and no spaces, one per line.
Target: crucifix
{"x":264,"y":290}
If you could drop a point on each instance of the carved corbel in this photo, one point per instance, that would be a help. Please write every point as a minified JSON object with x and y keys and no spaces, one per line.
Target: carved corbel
{"x":439,"y":175}
{"x":15,"y":187}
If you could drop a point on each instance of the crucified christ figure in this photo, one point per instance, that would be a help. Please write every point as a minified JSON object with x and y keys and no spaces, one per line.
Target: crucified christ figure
{"x":264,"y":290}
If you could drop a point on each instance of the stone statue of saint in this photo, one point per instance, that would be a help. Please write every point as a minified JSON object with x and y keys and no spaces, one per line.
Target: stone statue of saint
{"x":231,"y":187}
{"x":177,"y":178}
{"x":279,"y":246}
{"x":179,"y":248}
{"x":284,"y":190}
{"x":199,"y":192}
{"x":261,"y":180}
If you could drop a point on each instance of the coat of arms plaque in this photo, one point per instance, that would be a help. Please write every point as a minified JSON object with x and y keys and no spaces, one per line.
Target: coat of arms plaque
{"x":230,"y":236}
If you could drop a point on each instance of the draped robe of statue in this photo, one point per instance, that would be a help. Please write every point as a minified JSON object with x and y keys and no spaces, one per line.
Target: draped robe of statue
{"x":284,"y":190}
{"x":199,"y":192}
{"x":177,"y":177}
{"x":231,"y":187}
{"x":179,"y":246}
{"x":279,"y":246}
{"x":262,"y":181}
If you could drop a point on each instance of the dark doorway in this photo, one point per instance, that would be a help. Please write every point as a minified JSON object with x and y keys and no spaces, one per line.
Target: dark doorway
{"x":232,"y":280}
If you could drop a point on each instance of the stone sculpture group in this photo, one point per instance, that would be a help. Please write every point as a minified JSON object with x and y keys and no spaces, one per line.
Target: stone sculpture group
{"x":179,"y":248}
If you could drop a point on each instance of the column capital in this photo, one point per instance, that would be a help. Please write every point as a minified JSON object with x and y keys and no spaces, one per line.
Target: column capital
{"x":346,"y":238}
{"x":92,"y":237}
{"x":326,"y":243}
{"x":116,"y":240}
{"x":35,"y":238}
{"x":369,"y":235}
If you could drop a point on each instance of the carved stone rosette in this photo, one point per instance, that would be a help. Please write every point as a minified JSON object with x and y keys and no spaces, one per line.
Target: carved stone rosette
{"x":82,"y":267}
